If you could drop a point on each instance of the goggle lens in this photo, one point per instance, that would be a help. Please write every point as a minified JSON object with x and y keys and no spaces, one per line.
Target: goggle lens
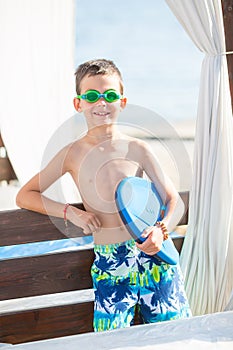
{"x":92,"y":96}
{"x":112,"y":96}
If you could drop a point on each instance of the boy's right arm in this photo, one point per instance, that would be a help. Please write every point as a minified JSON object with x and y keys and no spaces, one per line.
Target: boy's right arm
{"x":30,"y":195}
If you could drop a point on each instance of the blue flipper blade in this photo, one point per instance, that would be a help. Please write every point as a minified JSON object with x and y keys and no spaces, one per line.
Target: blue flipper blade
{"x":139,"y":206}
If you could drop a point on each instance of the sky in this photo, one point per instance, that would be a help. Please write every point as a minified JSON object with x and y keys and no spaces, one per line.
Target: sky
{"x":159,"y":62}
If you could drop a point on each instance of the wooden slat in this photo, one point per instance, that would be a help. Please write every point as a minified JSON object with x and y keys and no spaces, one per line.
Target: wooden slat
{"x":52,"y":273}
{"x":24,"y":226}
{"x":185,"y":197}
{"x":1,"y":141}
{"x":45,"y":274}
{"x":6,"y":171}
{"x":178,"y":242}
{"x":46,"y":323}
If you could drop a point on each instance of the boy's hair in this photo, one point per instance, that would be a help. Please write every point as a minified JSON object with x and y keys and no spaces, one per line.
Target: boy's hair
{"x":96,"y":67}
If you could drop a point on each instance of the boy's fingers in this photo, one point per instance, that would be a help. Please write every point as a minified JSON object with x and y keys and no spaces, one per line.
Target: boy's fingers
{"x":94,"y":220}
{"x":97,"y":222}
{"x":93,"y":228}
{"x":146,"y":249}
{"x":148,"y":246}
{"x":144,"y":244}
{"x":86,"y":231}
{"x":147,"y":231}
{"x":94,"y":225}
{"x":89,"y":229}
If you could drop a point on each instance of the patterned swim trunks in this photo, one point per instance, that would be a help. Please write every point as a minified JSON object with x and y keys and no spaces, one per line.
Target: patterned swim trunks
{"x":123,"y":277}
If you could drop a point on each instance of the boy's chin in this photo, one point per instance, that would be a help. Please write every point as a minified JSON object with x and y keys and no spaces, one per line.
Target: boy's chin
{"x":106,"y":121}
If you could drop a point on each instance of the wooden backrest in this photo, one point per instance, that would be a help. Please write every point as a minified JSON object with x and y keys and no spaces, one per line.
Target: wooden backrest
{"x":45,"y":275}
{"x":23,"y":226}
{"x":42,"y":274}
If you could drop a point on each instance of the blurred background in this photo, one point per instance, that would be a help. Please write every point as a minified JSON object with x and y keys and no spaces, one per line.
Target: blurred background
{"x":160,"y":64}
{"x":42,"y":44}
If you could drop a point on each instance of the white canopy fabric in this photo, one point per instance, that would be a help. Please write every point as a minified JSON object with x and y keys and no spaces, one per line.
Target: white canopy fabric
{"x":37,"y":77}
{"x":207,"y":255}
{"x":229,"y":306}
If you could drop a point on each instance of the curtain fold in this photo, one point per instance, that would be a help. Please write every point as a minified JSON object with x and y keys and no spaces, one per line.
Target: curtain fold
{"x":207,"y":254}
{"x":37,"y":77}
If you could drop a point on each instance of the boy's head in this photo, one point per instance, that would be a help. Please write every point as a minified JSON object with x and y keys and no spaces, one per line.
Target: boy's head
{"x":97,"y":67}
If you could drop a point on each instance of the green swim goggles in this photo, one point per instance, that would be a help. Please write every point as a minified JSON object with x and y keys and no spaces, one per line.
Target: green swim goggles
{"x":92,"y":96}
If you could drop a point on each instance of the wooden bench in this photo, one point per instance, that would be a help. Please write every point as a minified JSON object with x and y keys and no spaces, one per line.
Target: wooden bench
{"x":49,"y":295}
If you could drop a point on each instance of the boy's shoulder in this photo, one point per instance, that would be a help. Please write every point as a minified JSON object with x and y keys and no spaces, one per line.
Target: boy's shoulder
{"x":138,"y":149}
{"x":137,"y":142}
{"x":75,"y":145}
{"x":72,"y":148}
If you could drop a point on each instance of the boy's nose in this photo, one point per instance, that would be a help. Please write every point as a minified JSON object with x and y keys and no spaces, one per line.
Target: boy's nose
{"x":101,"y":101}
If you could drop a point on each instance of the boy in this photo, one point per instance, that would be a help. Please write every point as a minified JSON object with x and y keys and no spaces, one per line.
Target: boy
{"x":124,"y":273}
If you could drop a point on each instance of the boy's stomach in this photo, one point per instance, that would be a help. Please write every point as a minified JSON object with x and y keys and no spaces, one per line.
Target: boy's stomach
{"x":112,"y":230}
{"x":111,"y":235}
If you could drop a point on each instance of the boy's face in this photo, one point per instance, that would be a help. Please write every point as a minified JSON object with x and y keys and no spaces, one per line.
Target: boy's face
{"x":100,"y":112}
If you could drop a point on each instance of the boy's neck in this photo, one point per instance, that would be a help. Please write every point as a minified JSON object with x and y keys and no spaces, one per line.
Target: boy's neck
{"x":103,"y":132}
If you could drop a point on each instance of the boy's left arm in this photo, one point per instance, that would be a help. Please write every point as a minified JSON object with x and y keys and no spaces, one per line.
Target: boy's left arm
{"x":170,"y":197}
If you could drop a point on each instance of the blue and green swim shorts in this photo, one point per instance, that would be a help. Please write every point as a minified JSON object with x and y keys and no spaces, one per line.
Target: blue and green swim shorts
{"x":124,"y":277}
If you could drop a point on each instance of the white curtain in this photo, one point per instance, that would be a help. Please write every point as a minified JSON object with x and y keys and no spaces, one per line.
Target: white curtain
{"x":229,"y":306}
{"x":36,"y":77}
{"x":207,"y":255}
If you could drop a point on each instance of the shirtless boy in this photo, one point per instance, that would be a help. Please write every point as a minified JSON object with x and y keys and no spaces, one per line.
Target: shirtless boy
{"x":124,"y":272}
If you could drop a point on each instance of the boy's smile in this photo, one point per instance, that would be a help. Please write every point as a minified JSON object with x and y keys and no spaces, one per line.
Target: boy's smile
{"x":102,"y":114}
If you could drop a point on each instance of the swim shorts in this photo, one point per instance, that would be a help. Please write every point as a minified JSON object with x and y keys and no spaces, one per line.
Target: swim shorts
{"x":123,"y":277}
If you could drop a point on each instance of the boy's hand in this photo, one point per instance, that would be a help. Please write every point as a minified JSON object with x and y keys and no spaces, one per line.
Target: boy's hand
{"x":89,"y":222}
{"x":153,"y":242}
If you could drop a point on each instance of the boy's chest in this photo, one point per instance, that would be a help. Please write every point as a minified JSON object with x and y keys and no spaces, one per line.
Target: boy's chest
{"x":101,"y":169}
{"x":107,"y":158}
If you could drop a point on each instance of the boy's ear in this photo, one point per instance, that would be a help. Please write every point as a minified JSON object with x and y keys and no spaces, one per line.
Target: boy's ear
{"x":123,"y":102}
{"x":77,"y":106}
